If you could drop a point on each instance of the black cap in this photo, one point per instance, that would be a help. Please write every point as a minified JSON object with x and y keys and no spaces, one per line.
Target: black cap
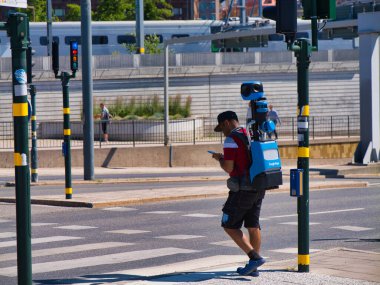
{"x":227,"y":115}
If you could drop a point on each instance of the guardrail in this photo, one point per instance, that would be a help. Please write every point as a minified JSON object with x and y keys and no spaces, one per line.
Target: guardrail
{"x":119,"y":61}
{"x":193,"y":131}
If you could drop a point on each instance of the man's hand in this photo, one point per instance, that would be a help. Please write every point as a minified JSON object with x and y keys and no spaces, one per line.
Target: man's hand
{"x":226,"y":165}
{"x":217,"y":156}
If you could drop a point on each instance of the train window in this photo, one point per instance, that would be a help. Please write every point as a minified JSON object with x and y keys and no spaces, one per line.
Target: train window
{"x":276,"y":37}
{"x":73,"y":38}
{"x":160,"y":37}
{"x":99,"y":40}
{"x":126,"y":39}
{"x":174,"y":36}
{"x":44,"y":41}
{"x":302,"y":35}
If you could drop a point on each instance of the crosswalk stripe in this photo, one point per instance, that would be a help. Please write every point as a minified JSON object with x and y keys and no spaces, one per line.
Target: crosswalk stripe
{"x":119,"y":209}
{"x":39,"y":240}
{"x":353,"y":228}
{"x":7,"y":235}
{"x":200,"y":215}
{"x":4,"y":221}
{"x":66,"y":249}
{"x":98,"y":260}
{"x":128,"y":232}
{"x":184,"y":266}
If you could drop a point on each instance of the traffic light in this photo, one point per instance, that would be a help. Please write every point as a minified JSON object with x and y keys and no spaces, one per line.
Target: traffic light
{"x":29,"y":63}
{"x":55,"y":55}
{"x":74,"y":55}
{"x":285,"y":15}
{"x":326,"y":9}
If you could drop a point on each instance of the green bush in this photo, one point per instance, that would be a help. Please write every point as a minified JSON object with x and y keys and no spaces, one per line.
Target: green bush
{"x":150,"y":109}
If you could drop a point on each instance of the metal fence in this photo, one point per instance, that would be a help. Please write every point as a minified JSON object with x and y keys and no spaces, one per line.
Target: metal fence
{"x":193,"y":131}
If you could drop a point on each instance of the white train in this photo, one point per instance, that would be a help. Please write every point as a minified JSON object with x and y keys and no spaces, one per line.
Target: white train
{"x":108,"y":37}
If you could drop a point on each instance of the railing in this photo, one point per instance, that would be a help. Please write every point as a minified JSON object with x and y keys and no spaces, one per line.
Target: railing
{"x":117,"y":61}
{"x":193,"y":131}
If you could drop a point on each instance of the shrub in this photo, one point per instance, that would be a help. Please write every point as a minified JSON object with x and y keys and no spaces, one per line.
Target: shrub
{"x":152,"y":108}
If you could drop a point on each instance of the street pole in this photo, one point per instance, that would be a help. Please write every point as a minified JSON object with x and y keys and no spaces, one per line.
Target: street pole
{"x":49,"y":34}
{"x":65,"y":80}
{"x":140,"y":26}
{"x":17,"y":26}
{"x":34,"y":152}
{"x":302,"y":50}
{"x":87,"y":95}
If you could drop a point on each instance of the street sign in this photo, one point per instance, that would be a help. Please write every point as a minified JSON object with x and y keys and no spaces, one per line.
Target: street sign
{"x":14,"y":3}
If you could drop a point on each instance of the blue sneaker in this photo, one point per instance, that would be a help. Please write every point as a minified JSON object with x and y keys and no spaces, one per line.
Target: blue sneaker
{"x":251,"y":266}
{"x":254,"y":273}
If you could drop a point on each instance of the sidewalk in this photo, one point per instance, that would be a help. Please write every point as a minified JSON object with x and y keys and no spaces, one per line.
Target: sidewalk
{"x":98,"y":198}
{"x":336,"y":266}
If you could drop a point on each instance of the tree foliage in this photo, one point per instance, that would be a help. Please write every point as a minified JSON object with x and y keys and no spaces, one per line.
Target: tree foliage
{"x":111,"y":10}
{"x":73,"y":12}
{"x":153,"y":10}
{"x":151,"y":45}
{"x":37,"y":10}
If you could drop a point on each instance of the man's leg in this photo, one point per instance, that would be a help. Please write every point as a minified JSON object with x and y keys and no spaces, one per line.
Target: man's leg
{"x":255,"y":238}
{"x":240,"y":239}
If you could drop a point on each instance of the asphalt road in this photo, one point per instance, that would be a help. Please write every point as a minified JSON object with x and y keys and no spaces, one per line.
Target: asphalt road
{"x":111,"y":187}
{"x":95,"y":242}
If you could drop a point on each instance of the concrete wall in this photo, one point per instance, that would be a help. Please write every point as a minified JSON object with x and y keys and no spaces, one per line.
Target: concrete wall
{"x":181,"y":155}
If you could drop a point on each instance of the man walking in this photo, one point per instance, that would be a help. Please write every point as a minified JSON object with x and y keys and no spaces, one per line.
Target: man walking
{"x":105,"y":119}
{"x":273,"y":116}
{"x":242,"y":205}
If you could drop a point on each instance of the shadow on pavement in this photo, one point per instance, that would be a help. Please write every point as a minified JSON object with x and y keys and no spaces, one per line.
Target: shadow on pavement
{"x":175,"y":277}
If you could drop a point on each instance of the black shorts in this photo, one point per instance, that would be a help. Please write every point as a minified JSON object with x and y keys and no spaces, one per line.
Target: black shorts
{"x":104,"y":127}
{"x":242,"y":206}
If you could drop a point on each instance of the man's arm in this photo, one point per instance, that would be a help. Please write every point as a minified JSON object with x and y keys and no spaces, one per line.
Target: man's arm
{"x":226,"y":165}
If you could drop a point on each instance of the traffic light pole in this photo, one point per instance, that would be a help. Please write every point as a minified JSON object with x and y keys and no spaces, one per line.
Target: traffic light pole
{"x":66,"y":147}
{"x":17,"y":28}
{"x":302,"y":50}
{"x":34,"y":152}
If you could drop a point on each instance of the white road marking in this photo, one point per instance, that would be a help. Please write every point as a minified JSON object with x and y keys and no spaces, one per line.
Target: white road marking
{"x":160,"y":212}
{"x":296,"y":223}
{"x":318,"y":213}
{"x":228,"y":243}
{"x":43,"y":224}
{"x":40,"y":240}
{"x":97,"y":260}
{"x":5,"y":221}
{"x":119,"y":209}
{"x":352,"y":228}
{"x":75,"y":227}
{"x":201,"y":215}
{"x":292,"y":250}
{"x":128,"y":232}
{"x":7,"y":235}
{"x":179,"y":237}
{"x":66,"y":249}
{"x":184,"y":266}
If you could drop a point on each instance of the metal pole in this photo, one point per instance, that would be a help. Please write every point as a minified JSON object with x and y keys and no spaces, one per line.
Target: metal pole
{"x":65,"y":79}
{"x":17,"y":29}
{"x":87,"y":87}
{"x":260,"y":8}
{"x":243,"y":15}
{"x":49,"y":22}
{"x":303,"y":53}
{"x":34,"y":152}
{"x":140,"y":26}
{"x":166,"y":96}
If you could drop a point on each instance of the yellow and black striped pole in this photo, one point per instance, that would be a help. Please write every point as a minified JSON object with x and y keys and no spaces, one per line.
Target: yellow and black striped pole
{"x":65,"y":79}
{"x":34,"y":152}
{"x":17,"y":28}
{"x":302,"y":50}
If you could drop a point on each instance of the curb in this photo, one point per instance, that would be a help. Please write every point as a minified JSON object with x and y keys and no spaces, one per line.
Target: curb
{"x":144,"y":200}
